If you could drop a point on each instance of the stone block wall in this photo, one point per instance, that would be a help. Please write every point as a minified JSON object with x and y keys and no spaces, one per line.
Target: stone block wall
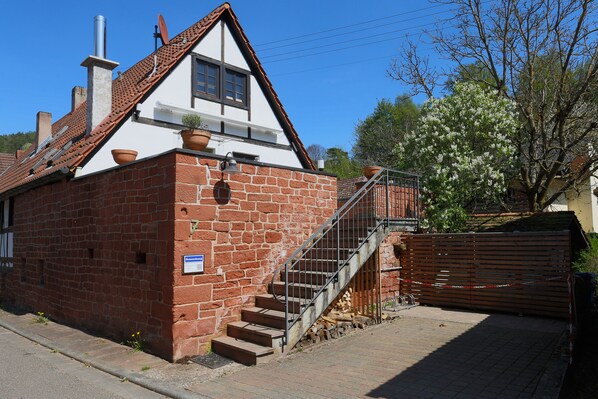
{"x":104,"y":252}
{"x":390,"y":265}
{"x":96,"y":252}
{"x":247,"y":225}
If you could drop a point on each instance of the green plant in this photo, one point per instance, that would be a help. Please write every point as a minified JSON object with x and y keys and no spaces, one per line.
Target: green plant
{"x":136,"y":342}
{"x":145,"y":368}
{"x":192,"y":121}
{"x":41,"y":318}
{"x":588,"y":258}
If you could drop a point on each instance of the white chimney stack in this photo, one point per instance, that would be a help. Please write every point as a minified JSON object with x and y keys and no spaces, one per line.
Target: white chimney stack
{"x":99,"y":78}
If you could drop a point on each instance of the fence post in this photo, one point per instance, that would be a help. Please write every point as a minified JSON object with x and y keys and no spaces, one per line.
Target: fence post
{"x":387,"y":204}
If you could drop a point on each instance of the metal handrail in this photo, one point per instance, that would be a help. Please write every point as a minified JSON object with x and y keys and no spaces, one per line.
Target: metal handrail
{"x":389,"y":197}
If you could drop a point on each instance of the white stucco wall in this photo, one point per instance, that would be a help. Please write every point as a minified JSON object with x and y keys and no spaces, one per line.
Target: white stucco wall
{"x":173,"y":98}
{"x":585,"y":205}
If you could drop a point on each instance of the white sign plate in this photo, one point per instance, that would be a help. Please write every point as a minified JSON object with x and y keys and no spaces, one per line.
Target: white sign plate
{"x":193,"y":264}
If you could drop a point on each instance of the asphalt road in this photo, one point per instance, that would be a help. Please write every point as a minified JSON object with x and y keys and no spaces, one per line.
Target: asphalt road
{"x":31,"y":371}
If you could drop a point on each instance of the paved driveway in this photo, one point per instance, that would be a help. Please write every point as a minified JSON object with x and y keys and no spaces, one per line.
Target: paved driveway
{"x":428,"y":353}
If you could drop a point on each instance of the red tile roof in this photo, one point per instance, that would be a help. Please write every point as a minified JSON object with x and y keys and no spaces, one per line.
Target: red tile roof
{"x":5,"y":161}
{"x":130,"y":88}
{"x":346,"y":187}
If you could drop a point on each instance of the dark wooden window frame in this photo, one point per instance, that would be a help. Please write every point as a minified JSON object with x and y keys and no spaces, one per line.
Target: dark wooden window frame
{"x":236,"y":76}
{"x":222,"y":68}
{"x":196,"y":69}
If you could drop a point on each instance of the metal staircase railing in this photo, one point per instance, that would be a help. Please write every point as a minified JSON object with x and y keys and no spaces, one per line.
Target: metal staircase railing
{"x":389,"y":198}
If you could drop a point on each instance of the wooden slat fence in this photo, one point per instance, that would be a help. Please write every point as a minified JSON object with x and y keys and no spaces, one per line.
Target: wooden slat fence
{"x":366,"y":288}
{"x":534,"y":265}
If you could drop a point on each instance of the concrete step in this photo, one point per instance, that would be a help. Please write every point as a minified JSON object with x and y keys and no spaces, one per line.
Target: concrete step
{"x":264,"y":317}
{"x":241,"y":351}
{"x":268,"y":301}
{"x":296,"y":290}
{"x":255,"y":333}
{"x":306,"y":277}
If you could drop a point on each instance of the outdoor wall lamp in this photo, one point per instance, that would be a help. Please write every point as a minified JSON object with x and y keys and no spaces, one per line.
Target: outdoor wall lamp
{"x":229,"y":165}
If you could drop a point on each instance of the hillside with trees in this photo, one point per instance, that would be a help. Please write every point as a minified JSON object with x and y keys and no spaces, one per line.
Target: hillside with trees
{"x":9,"y":143}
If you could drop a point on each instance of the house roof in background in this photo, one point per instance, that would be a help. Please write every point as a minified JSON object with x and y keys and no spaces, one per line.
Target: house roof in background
{"x":346,"y":187}
{"x":6,"y":160}
{"x":70,"y":146}
{"x":539,"y":221}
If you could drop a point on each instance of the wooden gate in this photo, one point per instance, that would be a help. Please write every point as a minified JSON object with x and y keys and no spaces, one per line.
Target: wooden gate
{"x":524,"y":272}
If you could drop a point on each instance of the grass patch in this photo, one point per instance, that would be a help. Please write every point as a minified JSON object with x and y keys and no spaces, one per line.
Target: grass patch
{"x":41,"y":318}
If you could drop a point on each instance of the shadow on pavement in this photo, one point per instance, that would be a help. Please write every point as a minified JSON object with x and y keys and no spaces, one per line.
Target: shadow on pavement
{"x":495,"y":358}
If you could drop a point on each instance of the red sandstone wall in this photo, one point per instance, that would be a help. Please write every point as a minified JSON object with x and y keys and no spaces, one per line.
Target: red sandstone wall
{"x":103,"y":246}
{"x":249,"y":224}
{"x":390,"y":264}
{"x":110,"y":246}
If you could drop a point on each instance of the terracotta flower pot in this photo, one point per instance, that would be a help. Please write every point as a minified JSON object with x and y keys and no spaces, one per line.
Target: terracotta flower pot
{"x":122,"y":156}
{"x":370,"y":171}
{"x":196,"y":139}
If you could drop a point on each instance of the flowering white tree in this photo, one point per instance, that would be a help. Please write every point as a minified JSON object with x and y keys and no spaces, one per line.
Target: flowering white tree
{"x":463,"y":149}
{"x":542,"y":54}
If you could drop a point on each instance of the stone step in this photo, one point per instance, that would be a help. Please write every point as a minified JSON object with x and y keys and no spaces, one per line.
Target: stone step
{"x":328,"y":253}
{"x":319,"y":265}
{"x":241,"y":351}
{"x":295,"y":290}
{"x":268,"y":301}
{"x":306,"y":277}
{"x":255,"y":333}
{"x":264,"y":317}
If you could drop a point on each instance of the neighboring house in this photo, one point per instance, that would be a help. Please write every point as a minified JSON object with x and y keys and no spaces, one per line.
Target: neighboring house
{"x":348,"y":187}
{"x":537,"y":222}
{"x":107,"y":247}
{"x":581,"y":199}
{"x":5,"y":161}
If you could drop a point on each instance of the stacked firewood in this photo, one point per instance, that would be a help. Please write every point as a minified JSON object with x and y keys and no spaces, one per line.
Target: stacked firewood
{"x":344,"y":303}
{"x":334,"y":325}
{"x":340,"y":320}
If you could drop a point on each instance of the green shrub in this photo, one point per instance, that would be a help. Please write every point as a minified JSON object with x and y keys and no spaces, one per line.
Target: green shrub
{"x":192,"y":121}
{"x":588,"y":258}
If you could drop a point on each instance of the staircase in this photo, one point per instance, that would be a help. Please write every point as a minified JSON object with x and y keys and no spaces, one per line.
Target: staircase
{"x":318,"y":271}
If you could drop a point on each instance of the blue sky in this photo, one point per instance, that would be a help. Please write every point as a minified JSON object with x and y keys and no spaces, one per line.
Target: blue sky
{"x":326,"y":94}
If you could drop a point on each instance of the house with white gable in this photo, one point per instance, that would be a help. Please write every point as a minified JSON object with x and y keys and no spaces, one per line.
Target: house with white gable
{"x":174,"y":244}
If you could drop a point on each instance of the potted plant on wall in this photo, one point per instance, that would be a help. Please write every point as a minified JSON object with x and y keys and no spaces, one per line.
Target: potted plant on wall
{"x":370,"y":170}
{"x":196,"y":136}
{"x":122,"y":156}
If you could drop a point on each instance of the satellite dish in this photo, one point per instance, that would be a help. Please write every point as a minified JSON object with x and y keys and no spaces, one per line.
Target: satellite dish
{"x":163,"y":30}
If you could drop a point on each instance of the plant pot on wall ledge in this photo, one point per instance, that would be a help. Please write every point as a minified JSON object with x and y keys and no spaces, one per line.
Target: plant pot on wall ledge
{"x":196,"y":139}
{"x":122,"y":156}
{"x":370,"y":171}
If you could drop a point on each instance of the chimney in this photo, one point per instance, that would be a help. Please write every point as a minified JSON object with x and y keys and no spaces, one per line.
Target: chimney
{"x":99,"y":78}
{"x":78,"y":95}
{"x":43,"y":127}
